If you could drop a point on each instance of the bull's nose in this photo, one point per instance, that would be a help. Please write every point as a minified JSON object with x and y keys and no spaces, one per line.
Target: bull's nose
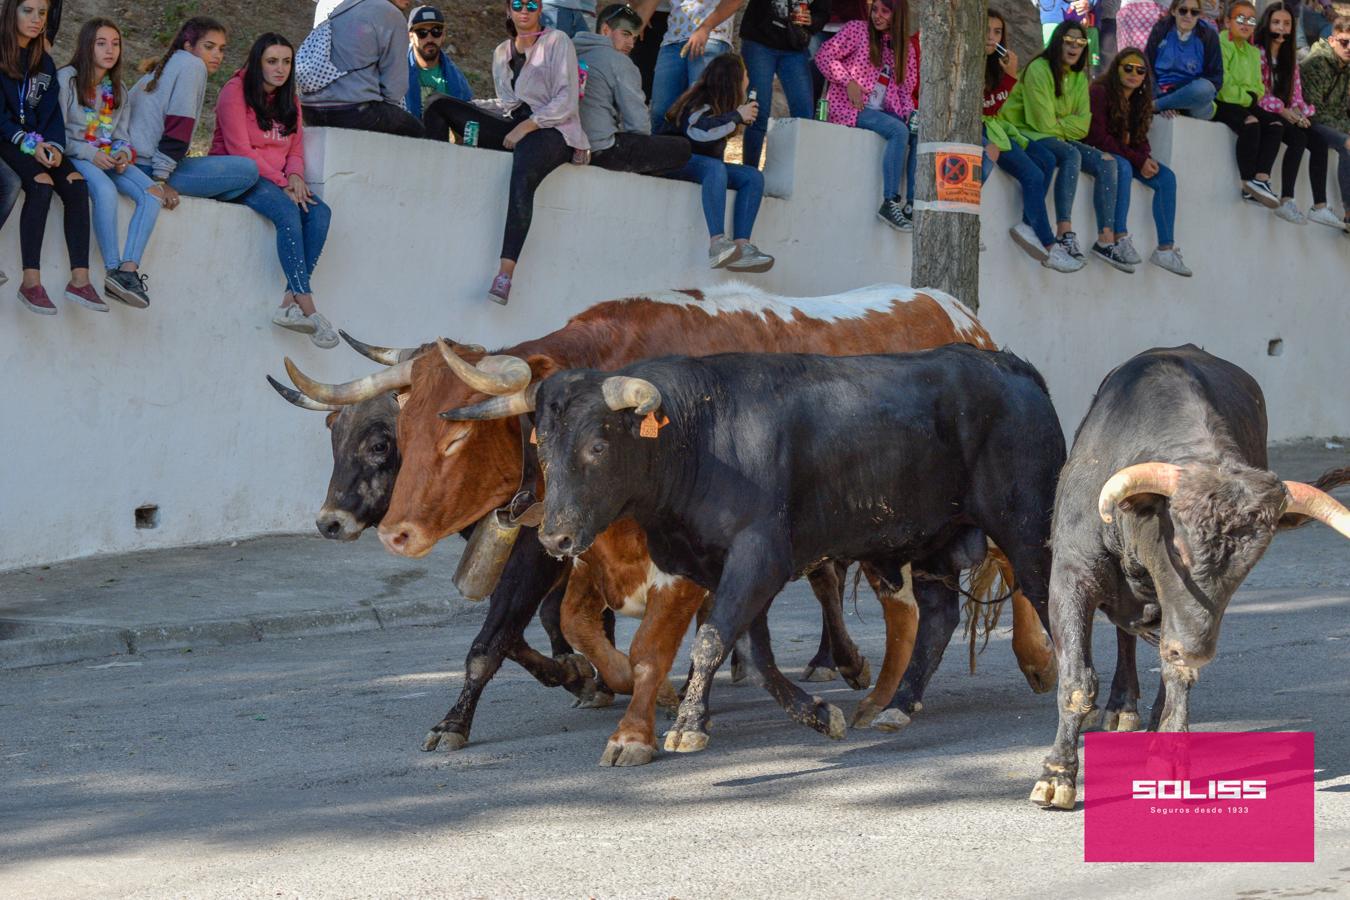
{"x":395,"y":540}
{"x":329,"y":528}
{"x":557,"y":543}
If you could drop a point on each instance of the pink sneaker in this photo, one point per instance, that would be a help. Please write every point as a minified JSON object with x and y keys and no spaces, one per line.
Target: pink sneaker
{"x":500,"y":292}
{"x":86,"y":296}
{"x":36,"y":299}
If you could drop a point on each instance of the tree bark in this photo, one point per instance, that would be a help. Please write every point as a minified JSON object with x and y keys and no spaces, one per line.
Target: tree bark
{"x":947,"y":244}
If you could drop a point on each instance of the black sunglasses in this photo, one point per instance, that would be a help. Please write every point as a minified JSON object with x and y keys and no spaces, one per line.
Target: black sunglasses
{"x":1188,"y":10}
{"x":429,"y":32}
{"x":623,"y":12}
{"x":1132,"y":69}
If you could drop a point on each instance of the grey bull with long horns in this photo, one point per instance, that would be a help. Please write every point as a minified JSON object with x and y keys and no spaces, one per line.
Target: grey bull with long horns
{"x":1165,"y":505}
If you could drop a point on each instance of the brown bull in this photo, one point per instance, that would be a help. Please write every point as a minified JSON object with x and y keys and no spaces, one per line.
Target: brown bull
{"x":456,"y":472}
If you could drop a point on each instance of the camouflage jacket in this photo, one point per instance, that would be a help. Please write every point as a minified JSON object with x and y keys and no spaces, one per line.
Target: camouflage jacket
{"x":1326,"y":85}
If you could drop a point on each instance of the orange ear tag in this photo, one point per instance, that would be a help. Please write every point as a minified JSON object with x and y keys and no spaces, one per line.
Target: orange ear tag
{"x":534,"y":436}
{"x":650,"y":427}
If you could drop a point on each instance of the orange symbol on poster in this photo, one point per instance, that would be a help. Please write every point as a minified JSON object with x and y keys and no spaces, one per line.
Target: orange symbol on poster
{"x":958,"y":177}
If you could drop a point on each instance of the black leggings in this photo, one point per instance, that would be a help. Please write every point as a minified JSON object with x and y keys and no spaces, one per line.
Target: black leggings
{"x":537,"y":154}
{"x":643,"y":154}
{"x":1295,"y":142}
{"x":37,"y":202}
{"x":1258,"y":142}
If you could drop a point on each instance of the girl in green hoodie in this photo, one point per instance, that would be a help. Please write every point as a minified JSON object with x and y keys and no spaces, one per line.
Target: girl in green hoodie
{"x":1237,"y":105}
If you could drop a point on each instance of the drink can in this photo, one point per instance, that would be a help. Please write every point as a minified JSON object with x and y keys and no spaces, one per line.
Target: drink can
{"x":471,"y":134}
{"x":822,"y":110}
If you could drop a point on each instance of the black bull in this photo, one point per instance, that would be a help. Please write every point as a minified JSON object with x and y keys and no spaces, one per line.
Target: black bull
{"x":1162,"y":510}
{"x":771,"y":463}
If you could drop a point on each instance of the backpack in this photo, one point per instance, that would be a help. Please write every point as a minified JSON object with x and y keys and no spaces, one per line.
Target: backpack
{"x":314,"y":69}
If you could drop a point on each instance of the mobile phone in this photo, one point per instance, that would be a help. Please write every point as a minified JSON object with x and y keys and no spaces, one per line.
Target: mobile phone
{"x":1001,"y":50}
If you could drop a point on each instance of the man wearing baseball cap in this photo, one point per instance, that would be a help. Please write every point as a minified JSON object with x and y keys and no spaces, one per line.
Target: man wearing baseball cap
{"x":431,"y":74}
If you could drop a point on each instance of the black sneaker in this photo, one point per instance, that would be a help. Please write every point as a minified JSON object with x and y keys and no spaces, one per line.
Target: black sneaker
{"x":1113,"y":256}
{"x":894,"y":215}
{"x":1069,"y":241}
{"x":127,"y":287}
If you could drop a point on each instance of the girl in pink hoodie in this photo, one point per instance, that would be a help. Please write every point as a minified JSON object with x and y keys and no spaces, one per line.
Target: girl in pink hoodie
{"x":258,"y":116}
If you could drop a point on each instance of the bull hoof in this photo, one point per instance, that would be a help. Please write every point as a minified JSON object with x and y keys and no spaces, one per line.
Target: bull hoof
{"x":685,"y":741}
{"x":1054,"y":793}
{"x":819,"y":674}
{"x":837,"y":727}
{"x":623,"y":755}
{"x":860,"y":680}
{"x":594,"y":700}
{"x":444,"y":740}
{"x":891,"y":721}
{"x":865,"y":714}
{"x":1121,"y":720}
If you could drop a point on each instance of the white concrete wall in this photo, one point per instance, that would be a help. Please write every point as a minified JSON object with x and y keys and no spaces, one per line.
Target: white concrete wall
{"x":168,"y":406}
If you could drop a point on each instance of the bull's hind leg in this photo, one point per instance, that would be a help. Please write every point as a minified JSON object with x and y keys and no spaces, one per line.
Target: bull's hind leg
{"x":1031,"y":642}
{"x":583,"y":624}
{"x":669,"y":610}
{"x":838,"y":655}
{"x":901,"y":613}
{"x":939,"y":614}
{"x":1122,"y":707}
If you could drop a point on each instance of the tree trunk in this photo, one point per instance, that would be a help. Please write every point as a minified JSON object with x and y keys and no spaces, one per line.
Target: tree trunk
{"x":947,"y":241}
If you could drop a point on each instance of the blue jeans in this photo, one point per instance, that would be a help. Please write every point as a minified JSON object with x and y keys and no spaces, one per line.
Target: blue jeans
{"x":1164,"y":185}
{"x":1032,"y":168}
{"x":1110,"y":200}
{"x":568,"y":21}
{"x":893,"y":159}
{"x":104,"y":186}
{"x":793,"y":68}
{"x":1069,"y":161}
{"x":300,"y":234}
{"x":674,"y":74}
{"x":717,"y":177}
{"x":1195,"y":98}
{"x":212,"y":177}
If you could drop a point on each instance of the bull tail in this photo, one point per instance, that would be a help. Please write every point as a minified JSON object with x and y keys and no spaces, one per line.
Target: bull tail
{"x":991,"y":579}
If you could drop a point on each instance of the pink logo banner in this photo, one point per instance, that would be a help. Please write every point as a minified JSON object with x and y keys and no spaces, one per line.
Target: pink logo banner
{"x":1198,"y":797}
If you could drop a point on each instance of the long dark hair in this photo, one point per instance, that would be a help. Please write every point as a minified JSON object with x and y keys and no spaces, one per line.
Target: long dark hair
{"x":899,"y":37}
{"x":10,"y":51}
{"x":719,"y":87}
{"x":1053,"y":53}
{"x":993,"y":72}
{"x":1282,"y":66}
{"x":83,"y":63}
{"x":1128,"y":118}
{"x":278,"y":107}
{"x":190,"y":32}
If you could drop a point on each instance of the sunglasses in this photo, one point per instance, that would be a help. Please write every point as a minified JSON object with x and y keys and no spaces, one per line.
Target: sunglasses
{"x":1075,"y":41}
{"x":1132,"y":69}
{"x":526,"y":5}
{"x":623,"y":12}
{"x":1245,"y":20}
{"x":429,"y":32}
{"x":1188,"y":11}
{"x":1344,"y":42}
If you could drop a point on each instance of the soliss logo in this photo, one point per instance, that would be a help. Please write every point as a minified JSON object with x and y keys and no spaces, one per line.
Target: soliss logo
{"x":1196,"y":790}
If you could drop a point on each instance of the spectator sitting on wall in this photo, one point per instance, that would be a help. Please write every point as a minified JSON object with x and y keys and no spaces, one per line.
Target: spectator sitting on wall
{"x":775,"y":35}
{"x":614,"y":111}
{"x":369,"y":46}
{"x":32,"y":143}
{"x":571,"y":17}
{"x":164,"y":107}
{"x":94,"y":105}
{"x":707,"y":114}
{"x":535,"y":115}
{"x":1031,"y":164}
{"x":258,"y":117}
{"x":431,"y":74}
{"x":1122,"y":110}
{"x":1237,"y":105}
{"x":1326,"y":87}
{"x":872,"y":68}
{"x":1284,"y":98}
{"x":1187,"y":64}
{"x":698,"y":32}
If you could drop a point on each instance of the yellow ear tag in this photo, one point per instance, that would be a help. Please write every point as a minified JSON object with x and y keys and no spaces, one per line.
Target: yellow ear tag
{"x":650,"y":427}
{"x":534,"y":436}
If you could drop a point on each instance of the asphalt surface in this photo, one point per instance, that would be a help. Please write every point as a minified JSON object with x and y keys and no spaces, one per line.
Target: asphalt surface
{"x":290,"y":767}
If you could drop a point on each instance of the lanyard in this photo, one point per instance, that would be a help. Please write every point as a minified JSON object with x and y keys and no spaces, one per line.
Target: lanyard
{"x":23,"y":100}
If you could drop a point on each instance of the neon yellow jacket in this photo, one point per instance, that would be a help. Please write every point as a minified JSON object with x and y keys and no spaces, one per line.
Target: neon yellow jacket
{"x":1242,"y":83}
{"x":1037,"y":113}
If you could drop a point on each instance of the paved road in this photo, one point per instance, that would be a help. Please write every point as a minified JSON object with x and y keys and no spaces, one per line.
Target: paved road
{"x":291,"y":767}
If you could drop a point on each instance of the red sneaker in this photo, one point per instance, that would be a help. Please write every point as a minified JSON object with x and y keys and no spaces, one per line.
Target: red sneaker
{"x":36,"y":299}
{"x":86,"y":296}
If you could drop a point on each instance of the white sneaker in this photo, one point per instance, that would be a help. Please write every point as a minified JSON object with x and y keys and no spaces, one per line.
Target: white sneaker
{"x":1060,"y":260}
{"x":293,"y":318}
{"x":1171,"y":261}
{"x":1323,"y":215}
{"x":722,"y":251}
{"x":324,"y":337}
{"x":751,"y":259}
{"x":1025,"y":237}
{"x":1290,"y":212}
{"x":1127,"y":251}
